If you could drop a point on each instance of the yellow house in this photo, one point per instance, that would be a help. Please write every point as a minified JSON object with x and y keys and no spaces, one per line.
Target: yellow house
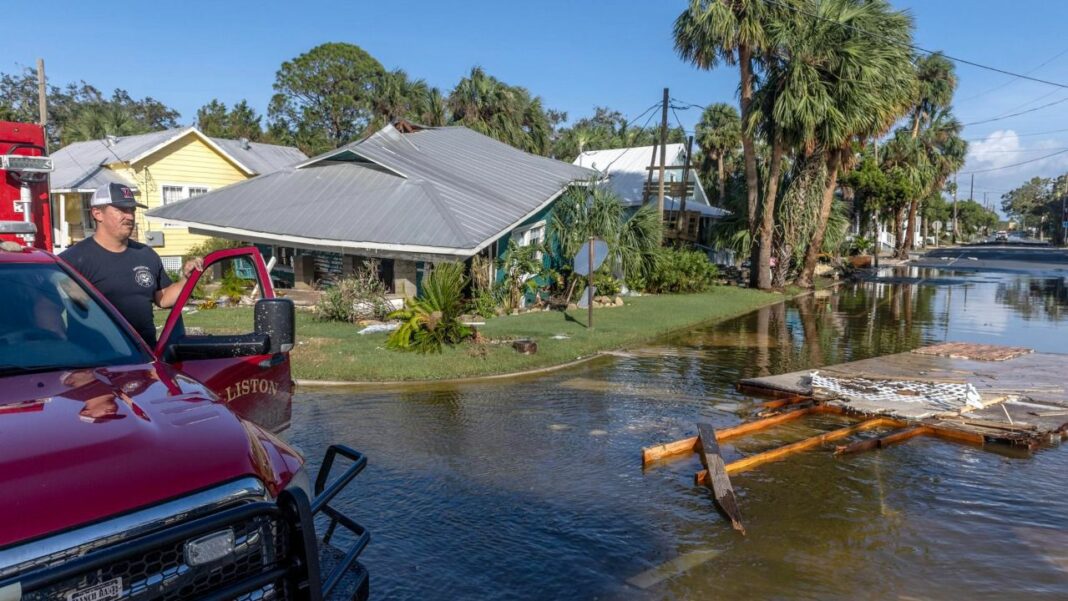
{"x":162,"y":167}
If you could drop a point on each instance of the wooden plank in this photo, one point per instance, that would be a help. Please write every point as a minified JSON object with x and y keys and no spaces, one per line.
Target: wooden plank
{"x":721,"y":483}
{"x":670,"y":569}
{"x":691,"y":444}
{"x":956,"y":435}
{"x":880,"y":442}
{"x":796,"y":399}
{"x":669,"y":449}
{"x":803,"y":445}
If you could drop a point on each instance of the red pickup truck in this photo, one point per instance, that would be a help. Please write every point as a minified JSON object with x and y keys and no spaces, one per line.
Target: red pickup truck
{"x":137,"y":473}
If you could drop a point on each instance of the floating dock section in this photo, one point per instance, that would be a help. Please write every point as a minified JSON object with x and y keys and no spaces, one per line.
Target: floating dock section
{"x":968,"y":393}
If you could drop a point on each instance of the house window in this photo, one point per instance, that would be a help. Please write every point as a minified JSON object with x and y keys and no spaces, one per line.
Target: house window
{"x":528,"y":235}
{"x":88,"y":223}
{"x":173,"y":193}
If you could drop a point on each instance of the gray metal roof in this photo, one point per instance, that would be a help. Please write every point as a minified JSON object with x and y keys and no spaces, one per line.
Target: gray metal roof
{"x":78,"y":166}
{"x":443,"y":190}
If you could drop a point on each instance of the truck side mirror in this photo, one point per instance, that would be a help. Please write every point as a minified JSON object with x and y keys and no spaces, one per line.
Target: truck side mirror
{"x":276,"y":318}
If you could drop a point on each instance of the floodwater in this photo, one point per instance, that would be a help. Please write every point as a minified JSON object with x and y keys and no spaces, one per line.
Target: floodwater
{"x":533,"y":488}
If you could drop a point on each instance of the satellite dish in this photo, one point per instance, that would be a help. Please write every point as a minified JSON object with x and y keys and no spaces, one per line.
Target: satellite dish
{"x":582,"y":258}
{"x":587,"y":297}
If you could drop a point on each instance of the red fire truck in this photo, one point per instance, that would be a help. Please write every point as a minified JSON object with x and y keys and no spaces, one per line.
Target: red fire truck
{"x":25,"y":216}
{"x":154,"y":474}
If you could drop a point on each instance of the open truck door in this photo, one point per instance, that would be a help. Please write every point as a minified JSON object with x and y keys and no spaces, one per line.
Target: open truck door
{"x":249,"y":370}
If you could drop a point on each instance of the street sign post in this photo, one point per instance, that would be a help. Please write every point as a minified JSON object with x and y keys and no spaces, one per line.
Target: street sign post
{"x":587,"y":260}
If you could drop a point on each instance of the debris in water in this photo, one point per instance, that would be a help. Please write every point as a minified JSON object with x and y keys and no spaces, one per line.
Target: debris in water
{"x":559,"y":427}
{"x":679,"y":565}
{"x":598,"y":432}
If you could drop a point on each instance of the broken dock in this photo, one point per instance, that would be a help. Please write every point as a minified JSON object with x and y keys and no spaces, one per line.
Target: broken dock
{"x":967,"y":393}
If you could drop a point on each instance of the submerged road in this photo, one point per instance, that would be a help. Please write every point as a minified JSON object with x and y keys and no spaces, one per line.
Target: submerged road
{"x":1015,"y":258}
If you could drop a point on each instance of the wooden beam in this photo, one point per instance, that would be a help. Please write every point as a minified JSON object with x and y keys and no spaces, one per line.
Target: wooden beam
{"x":796,"y":399}
{"x":721,"y":483}
{"x":956,"y":435}
{"x":803,"y":445}
{"x":691,"y":444}
{"x":880,"y":442}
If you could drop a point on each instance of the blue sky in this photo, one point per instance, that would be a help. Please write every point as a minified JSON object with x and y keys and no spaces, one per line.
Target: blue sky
{"x":575,"y":55}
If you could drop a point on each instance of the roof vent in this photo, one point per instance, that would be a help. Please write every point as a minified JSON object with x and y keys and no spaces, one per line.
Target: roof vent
{"x":110,"y":140}
{"x":245,"y":144}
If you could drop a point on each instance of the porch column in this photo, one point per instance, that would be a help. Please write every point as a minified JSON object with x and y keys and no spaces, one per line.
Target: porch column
{"x":64,"y":237}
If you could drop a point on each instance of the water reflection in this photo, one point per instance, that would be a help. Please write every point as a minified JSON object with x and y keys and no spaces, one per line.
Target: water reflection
{"x":532,"y":489}
{"x":1041,"y":298}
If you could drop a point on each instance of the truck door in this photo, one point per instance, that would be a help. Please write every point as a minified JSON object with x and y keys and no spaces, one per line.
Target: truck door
{"x":257,"y":387}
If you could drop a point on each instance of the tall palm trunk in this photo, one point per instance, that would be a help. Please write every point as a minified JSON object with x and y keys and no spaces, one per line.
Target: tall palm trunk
{"x":914,"y":204}
{"x":745,"y":68}
{"x":899,"y":238}
{"x":767,"y":222}
{"x":812,"y":253}
{"x":722,"y":181}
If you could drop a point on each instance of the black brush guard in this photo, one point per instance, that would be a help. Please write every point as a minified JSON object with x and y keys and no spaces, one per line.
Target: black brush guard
{"x":297,"y":574}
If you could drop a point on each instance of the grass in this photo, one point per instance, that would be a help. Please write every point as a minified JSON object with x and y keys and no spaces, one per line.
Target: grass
{"x":334,"y":351}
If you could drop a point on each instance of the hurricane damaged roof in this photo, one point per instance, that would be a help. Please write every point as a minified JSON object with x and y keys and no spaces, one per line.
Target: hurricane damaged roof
{"x":438,"y":191}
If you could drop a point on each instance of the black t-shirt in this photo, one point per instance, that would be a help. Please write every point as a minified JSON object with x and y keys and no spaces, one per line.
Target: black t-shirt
{"x":128,"y":279}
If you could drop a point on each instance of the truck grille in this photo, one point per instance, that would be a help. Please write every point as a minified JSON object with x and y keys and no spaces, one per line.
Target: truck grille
{"x":155,"y":567}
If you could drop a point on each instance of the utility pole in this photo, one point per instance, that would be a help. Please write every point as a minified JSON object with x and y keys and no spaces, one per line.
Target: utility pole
{"x":42,"y":99}
{"x":954,"y":208}
{"x":663,"y":156}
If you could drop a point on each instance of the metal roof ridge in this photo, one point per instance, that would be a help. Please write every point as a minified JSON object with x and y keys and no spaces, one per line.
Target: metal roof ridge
{"x":446,"y":212}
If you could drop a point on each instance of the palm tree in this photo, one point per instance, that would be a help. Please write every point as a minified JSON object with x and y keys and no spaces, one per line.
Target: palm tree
{"x":832,"y":83}
{"x":936,"y":83}
{"x":97,"y":121}
{"x":396,"y":97}
{"x":709,"y":32}
{"x":718,"y":132}
{"x":508,"y":113}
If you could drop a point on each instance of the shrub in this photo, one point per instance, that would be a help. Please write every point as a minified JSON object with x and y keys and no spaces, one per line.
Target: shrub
{"x":359,"y":296}
{"x":483,"y":303}
{"x":233,"y":287}
{"x":606,"y":284}
{"x":682,"y":271}
{"x":209,"y":246}
{"x":433,"y":319}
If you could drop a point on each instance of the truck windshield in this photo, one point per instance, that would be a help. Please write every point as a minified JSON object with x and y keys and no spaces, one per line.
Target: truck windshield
{"x":49,"y":322}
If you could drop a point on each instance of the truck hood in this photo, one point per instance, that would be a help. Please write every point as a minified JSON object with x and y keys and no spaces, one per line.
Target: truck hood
{"x":84,"y":445}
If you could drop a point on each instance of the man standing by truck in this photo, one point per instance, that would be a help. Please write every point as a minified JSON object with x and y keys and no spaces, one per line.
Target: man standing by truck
{"x":129,"y":274}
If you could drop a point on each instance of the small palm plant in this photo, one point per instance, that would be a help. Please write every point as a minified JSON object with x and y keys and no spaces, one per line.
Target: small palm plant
{"x":433,"y":319}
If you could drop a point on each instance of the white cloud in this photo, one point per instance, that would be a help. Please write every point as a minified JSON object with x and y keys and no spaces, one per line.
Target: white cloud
{"x":999,"y":149}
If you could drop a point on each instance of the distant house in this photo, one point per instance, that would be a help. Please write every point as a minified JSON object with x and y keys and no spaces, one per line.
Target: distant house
{"x":407,"y":196}
{"x":162,"y":167}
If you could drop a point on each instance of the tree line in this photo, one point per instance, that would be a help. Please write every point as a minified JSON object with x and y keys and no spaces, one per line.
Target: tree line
{"x":327,"y":97}
{"x":1039,"y":205}
{"x":833,"y":105}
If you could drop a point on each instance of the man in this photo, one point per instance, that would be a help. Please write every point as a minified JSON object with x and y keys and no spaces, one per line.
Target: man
{"x":129,"y":274}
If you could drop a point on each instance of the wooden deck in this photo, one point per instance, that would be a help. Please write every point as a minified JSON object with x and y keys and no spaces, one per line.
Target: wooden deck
{"x":1024,"y":396}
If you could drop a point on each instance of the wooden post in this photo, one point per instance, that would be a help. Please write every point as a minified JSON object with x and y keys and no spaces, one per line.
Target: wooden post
{"x":721,"y":483}
{"x":649,"y":177}
{"x":663,"y":156}
{"x":682,"y":229}
{"x":589,"y":287}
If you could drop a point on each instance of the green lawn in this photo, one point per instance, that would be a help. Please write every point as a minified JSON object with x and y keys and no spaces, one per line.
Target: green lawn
{"x":334,"y":351}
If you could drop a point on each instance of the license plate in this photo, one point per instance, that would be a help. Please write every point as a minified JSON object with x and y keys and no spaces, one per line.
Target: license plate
{"x":112,"y":589}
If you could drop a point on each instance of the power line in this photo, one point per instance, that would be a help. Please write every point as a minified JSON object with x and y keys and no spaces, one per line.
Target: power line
{"x":1036,"y":133}
{"x":1013,"y":80}
{"x":644,"y":125}
{"x":921,"y":49}
{"x":1031,"y":110}
{"x":1041,"y":158}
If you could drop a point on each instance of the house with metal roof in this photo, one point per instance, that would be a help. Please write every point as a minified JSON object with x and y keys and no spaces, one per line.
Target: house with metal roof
{"x":627,"y":171}
{"x":162,"y":167}
{"x":406,"y":196}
